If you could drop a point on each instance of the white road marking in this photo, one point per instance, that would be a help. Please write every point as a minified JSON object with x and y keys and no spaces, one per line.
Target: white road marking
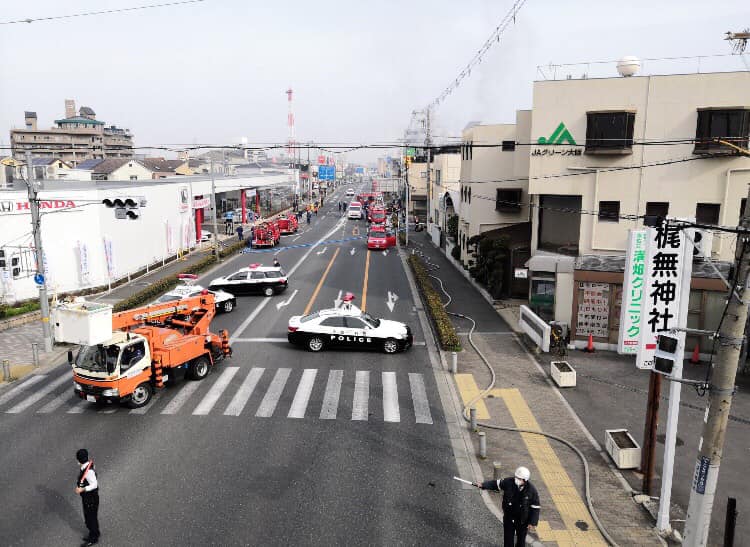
{"x":22,"y":387}
{"x":250,"y":318}
{"x":288,"y":301}
{"x":57,"y":402}
{"x":322,"y":251}
{"x":337,"y":300}
{"x":302,"y":396}
{"x":109,"y":409}
{"x":296,"y":237}
{"x":238,"y":402}
{"x":271,"y":399}
{"x":34,"y":397}
{"x":210,"y":398}
{"x":261,"y":340}
{"x":391,"y":301}
{"x":80,"y":407}
{"x":142,"y":410}
{"x":186,"y":390}
{"x":361,"y":395}
{"x":390,"y":398}
{"x":331,"y":396}
{"x":419,"y":398}
{"x":352,"y":251}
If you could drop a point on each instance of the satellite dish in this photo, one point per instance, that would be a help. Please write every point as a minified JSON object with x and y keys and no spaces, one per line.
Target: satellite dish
{"x":628,"y":66}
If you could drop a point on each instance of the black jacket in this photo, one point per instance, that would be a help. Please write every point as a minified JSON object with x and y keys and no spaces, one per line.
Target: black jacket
{"x":521,"y":505}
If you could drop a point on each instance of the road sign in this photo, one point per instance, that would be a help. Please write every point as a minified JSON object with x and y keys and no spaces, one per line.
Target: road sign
{"x":39,"y":279}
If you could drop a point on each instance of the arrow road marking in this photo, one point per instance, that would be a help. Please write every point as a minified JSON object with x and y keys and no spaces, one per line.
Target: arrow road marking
{"x":391,"y":302}
{"x":352,"y":251}
{"x":289,"y":300}
{"x":323,"y":250}
{"x":385,"y":252}
{"x":337,"y":300}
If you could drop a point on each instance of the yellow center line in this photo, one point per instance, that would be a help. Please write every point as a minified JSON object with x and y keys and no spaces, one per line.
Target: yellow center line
{"x":364,"y":285}
{"x":320,"y":283}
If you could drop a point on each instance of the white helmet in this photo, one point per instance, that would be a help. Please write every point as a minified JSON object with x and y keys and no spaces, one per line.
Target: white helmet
{"x":523,"y":473}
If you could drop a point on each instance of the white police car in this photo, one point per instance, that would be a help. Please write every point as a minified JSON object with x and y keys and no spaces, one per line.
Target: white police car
{"x":224,"y":301}
{"x":348,"y":327}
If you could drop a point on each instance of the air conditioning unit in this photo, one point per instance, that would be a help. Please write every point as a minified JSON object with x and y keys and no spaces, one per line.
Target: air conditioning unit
{"x":703,"y":240}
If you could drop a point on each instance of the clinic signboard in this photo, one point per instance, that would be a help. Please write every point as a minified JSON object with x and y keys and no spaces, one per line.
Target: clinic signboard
{"x":632,"y":293}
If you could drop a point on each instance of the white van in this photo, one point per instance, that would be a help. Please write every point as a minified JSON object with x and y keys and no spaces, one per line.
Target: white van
{"x":350,"y":192}
{"x":354,"y":210}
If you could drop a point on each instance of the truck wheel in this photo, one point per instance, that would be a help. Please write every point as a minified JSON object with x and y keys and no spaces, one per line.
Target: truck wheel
{"x":227,"y":306}
{"x":199,"y":368}
{"x":390,"y":346}
{"x":315,"y":343}
{"x":268,"y":291}
{"x":141,"y":395}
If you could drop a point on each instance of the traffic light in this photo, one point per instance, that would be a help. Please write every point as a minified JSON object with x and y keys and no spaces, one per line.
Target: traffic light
{"x":126,"y":207}
{"x":666,"y":354}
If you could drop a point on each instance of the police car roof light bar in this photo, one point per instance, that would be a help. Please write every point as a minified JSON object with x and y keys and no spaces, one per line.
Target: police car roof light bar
{"x":189,"y":279}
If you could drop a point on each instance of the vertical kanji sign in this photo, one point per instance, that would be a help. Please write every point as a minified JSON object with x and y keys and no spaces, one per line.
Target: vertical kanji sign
{"x":632,"y":293}
{"x":665,"y":267}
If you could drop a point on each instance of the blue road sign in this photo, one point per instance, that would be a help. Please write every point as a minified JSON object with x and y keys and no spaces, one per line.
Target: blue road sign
{"x":39,"y":279}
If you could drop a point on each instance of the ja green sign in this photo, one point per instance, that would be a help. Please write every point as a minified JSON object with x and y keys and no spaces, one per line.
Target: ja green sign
{"x":560,"y":135}
{"x":411,"y":152}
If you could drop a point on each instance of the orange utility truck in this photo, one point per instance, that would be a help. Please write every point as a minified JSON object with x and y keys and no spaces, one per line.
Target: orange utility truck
{"x":126,"y":356}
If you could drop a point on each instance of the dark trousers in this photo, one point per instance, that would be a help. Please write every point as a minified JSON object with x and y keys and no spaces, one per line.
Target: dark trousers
{"x":511,"y":529}
{"x":90,"y":513}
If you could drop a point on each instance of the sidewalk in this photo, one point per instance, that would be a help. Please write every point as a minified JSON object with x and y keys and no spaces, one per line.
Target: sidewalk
{"x":523,"y":397}
{"x":15,"y":342}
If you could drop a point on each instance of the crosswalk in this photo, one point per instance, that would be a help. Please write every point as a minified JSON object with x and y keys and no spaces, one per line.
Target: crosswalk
{"x":256,"y":392}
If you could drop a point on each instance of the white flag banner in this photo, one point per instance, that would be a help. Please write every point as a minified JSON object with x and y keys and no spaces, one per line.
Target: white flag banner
{"x":109,"y":257}
{"x":83,"y":262}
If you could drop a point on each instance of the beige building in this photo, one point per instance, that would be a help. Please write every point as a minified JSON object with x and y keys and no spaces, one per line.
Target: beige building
{"x":445,"y":170}
{"x":610,"y":151}
{"x":117,"y":169}
{"x":416,"y":178}
{"x":75,"y":138}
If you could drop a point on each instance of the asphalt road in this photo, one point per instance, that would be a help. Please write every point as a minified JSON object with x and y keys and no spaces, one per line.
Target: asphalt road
{"x":260,"y":452}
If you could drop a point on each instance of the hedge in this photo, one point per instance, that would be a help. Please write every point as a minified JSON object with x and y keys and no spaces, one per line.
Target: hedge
{"x":156,"y":289}
{"x":7,"y":311}
{"x":446,"y":331}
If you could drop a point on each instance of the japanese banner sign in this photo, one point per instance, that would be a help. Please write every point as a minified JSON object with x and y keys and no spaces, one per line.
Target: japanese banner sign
{"x":593,"y":309}
{"x":632,"y":293}
{"x":666,"y":265}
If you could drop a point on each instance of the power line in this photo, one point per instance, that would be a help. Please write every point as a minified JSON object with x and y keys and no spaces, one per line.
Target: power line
{"x":102,"y":12}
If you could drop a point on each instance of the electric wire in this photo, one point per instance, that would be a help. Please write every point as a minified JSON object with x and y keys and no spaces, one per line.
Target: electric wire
{"x":102,"y":12}
{"x":491,"y":386}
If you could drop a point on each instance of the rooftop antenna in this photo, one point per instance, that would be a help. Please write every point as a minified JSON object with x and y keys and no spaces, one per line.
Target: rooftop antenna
{"x":739,"y":40}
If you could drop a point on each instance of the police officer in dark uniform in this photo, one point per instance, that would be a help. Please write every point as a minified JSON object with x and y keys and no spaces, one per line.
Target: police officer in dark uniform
{"x":520,"y":506}
{"x":88,"y":488}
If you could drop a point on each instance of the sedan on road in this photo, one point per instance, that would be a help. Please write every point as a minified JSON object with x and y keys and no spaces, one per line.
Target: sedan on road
{"x":255,"y":279}
{"x":348,"y":327}
{"x":225,"y":302}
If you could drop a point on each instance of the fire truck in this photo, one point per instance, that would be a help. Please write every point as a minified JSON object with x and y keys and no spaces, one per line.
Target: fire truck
{"x":288,"y":224}
{"x":266,"y":234}
{"x":126,"y":356}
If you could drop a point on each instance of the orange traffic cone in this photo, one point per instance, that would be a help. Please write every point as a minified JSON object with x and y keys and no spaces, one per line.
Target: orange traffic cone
{"x":590,"y":345}
{"x":696,"y":358}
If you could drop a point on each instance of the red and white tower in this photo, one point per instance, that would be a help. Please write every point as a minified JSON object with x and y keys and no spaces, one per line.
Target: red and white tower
{"x":290,"y":124}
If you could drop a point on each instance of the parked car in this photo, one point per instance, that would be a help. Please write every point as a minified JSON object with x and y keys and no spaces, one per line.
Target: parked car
{"x":255,"y":279}
{"x":224,"y":301}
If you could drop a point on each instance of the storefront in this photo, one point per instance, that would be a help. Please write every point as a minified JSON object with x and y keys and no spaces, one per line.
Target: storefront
{"x":597,"y":298}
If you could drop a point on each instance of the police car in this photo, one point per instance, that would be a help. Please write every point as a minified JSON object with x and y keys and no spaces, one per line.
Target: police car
{"x":348,"y":327}
{"x":255,"y":279}
{"x":224,"y":301}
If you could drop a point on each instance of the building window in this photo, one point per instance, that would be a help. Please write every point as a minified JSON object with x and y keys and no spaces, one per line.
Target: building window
{"x":609,"y":132}
{"x":743,"y":204}
{"x":508,"y":200}
{"x":707,"y":213}
{"x":559,"y":224}
{"x":609,"y":211}
{"x":133,"y":177}
{"x":732,"y":125}
{"x":509,"y":146}
{"x":657,"y":209}
{"x":470,"y":194}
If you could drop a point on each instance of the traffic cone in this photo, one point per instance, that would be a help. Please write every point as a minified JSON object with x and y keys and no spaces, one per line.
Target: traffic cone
{"x":696,"y":358}
{"x":590,"y":345}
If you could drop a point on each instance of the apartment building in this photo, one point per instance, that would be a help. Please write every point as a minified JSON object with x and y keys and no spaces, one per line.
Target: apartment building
{"x":416,"y":178}
{"x":608,"y":151}
{"x":73,"y":139}
{"x":445,"y":171}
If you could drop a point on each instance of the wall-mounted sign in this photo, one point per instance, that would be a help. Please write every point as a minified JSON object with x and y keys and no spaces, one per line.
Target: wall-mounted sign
{"x":521,"y":273}
{"x":593,"y":310}
{"x":184,"y":199}
{"x":201,"y":203}
{"x":559,"y":136}
{"x":632,"y":293}
{"x":9,"y":206}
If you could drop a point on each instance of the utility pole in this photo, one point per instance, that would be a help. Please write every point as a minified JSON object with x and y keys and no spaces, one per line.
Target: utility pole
{"x":721,"y":392}
{"x":427,"y":143}
{"x":215,"y":209}
{"x":36,"y":228}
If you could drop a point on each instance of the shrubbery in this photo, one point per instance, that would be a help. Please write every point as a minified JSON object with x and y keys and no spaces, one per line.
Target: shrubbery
{"x":446,"y":331}
{"x":7,"y":311}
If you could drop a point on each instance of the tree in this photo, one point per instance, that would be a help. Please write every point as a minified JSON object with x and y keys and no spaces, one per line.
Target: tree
{"x":452,"y":227}
{"x":489,"y":268}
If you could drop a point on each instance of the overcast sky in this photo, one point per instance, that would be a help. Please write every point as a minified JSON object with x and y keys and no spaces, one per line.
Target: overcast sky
{"x":218,"y":70}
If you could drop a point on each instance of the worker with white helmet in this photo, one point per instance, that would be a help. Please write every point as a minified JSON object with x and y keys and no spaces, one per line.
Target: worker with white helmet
{"x":520,"y":506}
